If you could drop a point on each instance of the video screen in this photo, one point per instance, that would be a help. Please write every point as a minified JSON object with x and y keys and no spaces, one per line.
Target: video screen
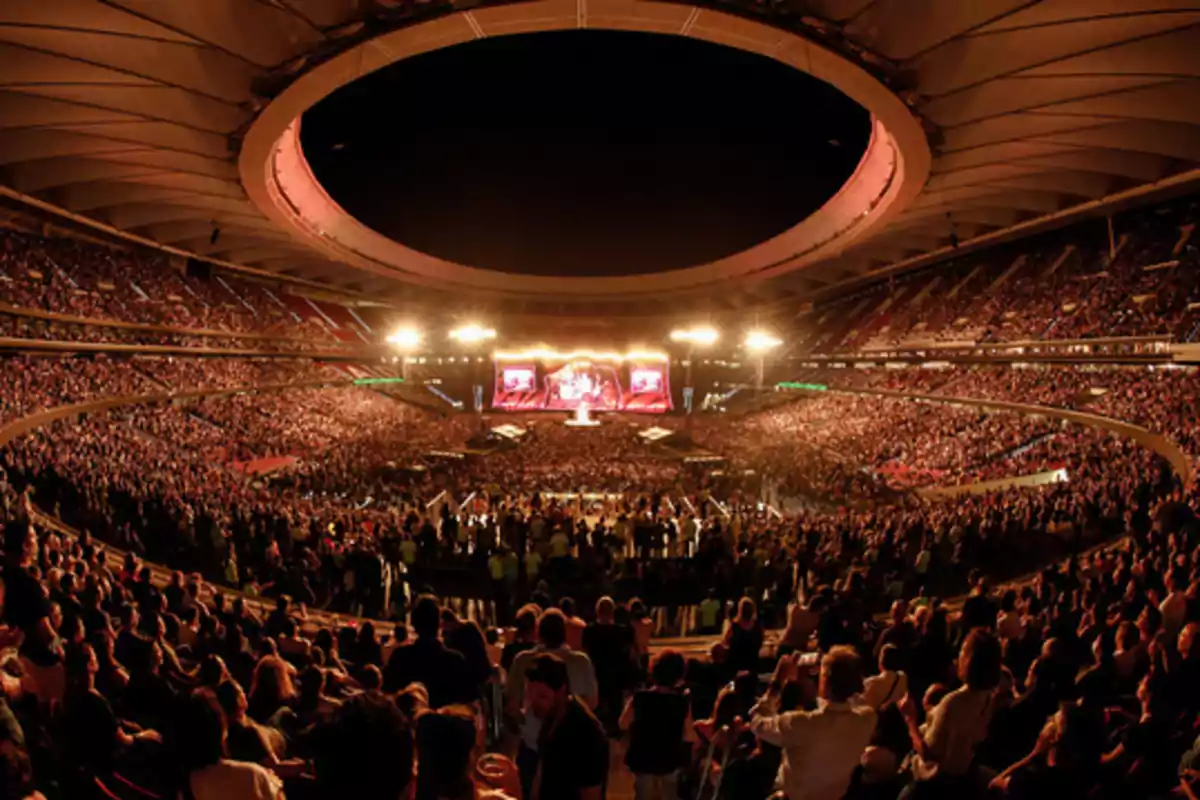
{"x":519,"y":379}
{"x":642,"y":381}
{"x":565,"y":384}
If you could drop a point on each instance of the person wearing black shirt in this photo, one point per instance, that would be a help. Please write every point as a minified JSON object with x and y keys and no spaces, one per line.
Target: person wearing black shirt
{"x":978,"y":610}
{"x":899,"y":633}
{"x":526,"y":636}
{"x":572,"y":746}
{"x":278,"y":617}
{"x":610,"y":646}
{"x":744,"y":638}
{"x":427,"y":661}
{"x":144,"y":592}
{"x":65,"y":596}
{"x":95,"y":736}
{"x":174,"y":594}
{"x":149,"y":697}
{"x":657,"y":719}
{"x":95,"y":618}
{"x":25,"y":602}
{"x":128,"y":638}
{"x":465,"y":637}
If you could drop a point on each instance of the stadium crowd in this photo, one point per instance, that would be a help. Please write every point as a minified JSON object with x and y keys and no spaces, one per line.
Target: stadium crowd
{"x":129,"y":477}
{"x":501,"y":598}
{"x":1062,"y":285}
{"x":82,"y":279}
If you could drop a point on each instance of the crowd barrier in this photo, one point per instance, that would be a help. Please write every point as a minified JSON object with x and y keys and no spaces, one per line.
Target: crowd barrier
{"x":996,"y":485}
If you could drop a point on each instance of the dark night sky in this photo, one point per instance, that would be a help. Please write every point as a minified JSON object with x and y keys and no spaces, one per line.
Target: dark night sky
{"x":584,"y":152}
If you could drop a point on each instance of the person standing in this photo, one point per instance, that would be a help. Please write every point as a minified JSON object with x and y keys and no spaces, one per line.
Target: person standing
{"x":443,"y":672}
{"x":659,"y":721}
{"x":610,"y":646}
{"x":552,"y":634}
{"x":820,"y":747}
{"x":573,"y":749}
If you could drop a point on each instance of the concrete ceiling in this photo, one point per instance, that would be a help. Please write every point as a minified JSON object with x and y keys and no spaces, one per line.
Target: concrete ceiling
{"x":131,"y":112}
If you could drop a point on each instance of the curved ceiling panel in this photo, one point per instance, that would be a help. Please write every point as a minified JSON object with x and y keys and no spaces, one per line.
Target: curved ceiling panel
{"x":132,"y":112}
{"x":279,"y":179}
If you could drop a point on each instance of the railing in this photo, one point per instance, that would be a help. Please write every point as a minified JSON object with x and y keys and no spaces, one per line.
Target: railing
{"x":116,"y":348}
{"x":1147,"y":347}
{"x":146,"y":327}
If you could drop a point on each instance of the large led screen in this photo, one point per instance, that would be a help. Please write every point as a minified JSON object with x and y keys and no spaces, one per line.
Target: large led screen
{"x":563,"y":384}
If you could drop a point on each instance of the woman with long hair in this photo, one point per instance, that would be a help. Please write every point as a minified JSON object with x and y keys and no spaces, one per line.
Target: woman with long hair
{"x":1065,"y":762}
{"x":149,"y":696}
{"x":111,"y":678}
{"x":945,"y":744}
{"x":271,"y":690}
{"x":208,"y":773}
{"x":249,"y":741}
{"x":744,"y":637}
{"x":95,"y":737}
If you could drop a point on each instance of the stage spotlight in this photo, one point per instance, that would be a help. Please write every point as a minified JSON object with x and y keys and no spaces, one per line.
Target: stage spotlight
{"x":472,"y":334}
{"x":406,"y":338}
{"x":761,"y":341}
{"x":698,"y":335}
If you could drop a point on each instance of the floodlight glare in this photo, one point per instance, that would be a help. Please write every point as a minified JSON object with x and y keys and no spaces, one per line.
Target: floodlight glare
{"x":472,"y":334}
{"x":406,"y":338}
{"x":761,"y":341}
{"x":699,"y":335}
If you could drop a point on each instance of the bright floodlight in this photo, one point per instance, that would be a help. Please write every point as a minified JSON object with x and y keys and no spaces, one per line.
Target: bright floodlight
{"x":406,"y":338}
{"x":471,"y":334}
{"x":701,"y":334}
{"x":761,"y":341}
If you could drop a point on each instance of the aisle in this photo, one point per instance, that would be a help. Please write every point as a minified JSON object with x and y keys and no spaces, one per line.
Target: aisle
{"x":620,"y":779}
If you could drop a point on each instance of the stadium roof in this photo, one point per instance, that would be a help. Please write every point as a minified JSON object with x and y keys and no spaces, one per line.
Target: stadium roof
{"x":134,"y":113}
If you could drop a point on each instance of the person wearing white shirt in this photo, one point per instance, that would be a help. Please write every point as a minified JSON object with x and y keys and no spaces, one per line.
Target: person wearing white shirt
{"x":820,"y":747}
{"x":210,"y":775}
{"x":1008,"y":622}
{"x":945,"y":744}
{"x":1174,"y":607}
{"x":890,"y":684}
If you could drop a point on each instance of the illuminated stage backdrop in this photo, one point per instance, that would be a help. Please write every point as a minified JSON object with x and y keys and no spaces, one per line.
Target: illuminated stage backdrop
{"x":549,"y":380}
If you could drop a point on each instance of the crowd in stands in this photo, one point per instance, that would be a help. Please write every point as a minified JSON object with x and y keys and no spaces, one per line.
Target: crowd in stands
{"x":829,"y":441}
{"x":84,"y":279}
{"x":1081,"y":683}
{"x":1062,"y":285}
{"x":501,"y":599}
{"x":1157,"y":397}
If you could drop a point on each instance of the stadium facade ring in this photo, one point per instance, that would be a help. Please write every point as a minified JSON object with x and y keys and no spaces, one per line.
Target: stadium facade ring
{"x":892,"y":170}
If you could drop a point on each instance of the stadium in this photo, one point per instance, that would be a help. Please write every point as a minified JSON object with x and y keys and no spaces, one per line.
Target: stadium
{"x":715,"y":400}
